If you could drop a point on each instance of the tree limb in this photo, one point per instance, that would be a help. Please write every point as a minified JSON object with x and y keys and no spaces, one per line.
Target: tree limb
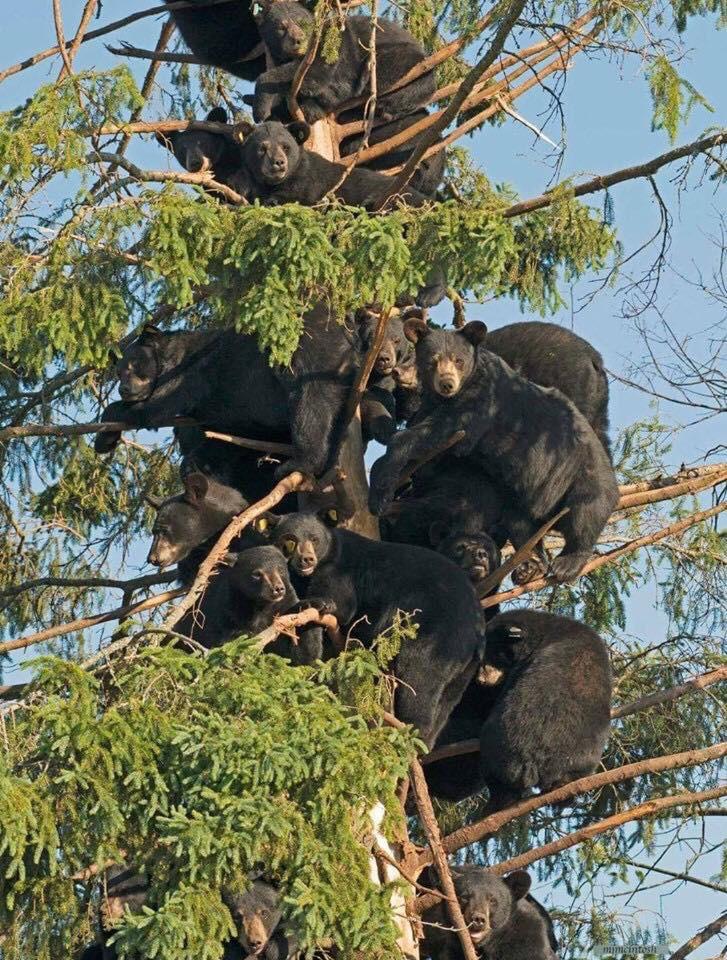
{"x":641,"y":812}
{"x":706,"y":933}
{"x":687,"y":878}
{"x":489,"y":825}
{"x":140,"y":583}
{"x":610,"y":555}
{"x":431,"y":828}
{"x":606,"y":180}
{"x":108,"y":28}
{"x":467,"y":85}
{"x":119,"y":613}
{"x":168,"y":176}
{"x":295,"y":481}
{"x":69,"y":57}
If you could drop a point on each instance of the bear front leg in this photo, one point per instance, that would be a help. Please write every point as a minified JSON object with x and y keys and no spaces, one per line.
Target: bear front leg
{"x":271,"y":90}
{"x":106,"y":442}
{"x":404,"y":448}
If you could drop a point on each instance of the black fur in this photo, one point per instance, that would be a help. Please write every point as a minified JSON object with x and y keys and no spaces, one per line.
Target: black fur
{"x":280,"y":170}
{"x":223,"y":36}
{"x":430,"y":172}
{"x":505,"y":922}
{"x":223,"y":380}
{"x":353,"y":578}
{"x":286,"y":27}
{"x":201,"y":151}
{"x":551,"y":719}
{"x":257,"y":916}
{"x":529,"y":440}
{"x":384,"y":403}
{"x":244,"y":598}
{"x":554,"y":356}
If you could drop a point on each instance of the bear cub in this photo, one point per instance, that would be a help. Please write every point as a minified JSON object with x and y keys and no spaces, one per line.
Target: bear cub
{"x":286,"y":28}
{"x":504,"y":921}
{"x":557,"y":670}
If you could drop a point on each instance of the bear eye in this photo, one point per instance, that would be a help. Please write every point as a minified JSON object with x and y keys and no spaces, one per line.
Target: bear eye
{"x":397,"y":340}
{"x":459,"y":549}
{"x":257,"y":574}
{"x":459,"y":362}
{"x":288,"y":547}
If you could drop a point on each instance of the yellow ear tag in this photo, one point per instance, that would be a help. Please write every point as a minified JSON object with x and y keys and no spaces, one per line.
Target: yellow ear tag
{"x":333,"y":516}
{"x":261,"y":524}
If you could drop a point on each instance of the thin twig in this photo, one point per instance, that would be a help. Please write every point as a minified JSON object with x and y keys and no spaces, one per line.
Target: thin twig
{"x":58,"y":23}
{"x":86,"y":17}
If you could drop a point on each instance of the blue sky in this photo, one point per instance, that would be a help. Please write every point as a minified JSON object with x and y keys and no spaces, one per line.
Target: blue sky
{"x":607,"y":113}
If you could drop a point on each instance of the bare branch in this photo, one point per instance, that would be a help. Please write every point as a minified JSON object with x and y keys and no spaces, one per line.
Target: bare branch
{"x":475,"y":832}
{"x":68,"y":58}
{"x":706,"y":933}
{"x":107,"y":583}
{"x":687,"y":878}
{"x":641,"y":812}
{"x":439,"y":857}
{"x":465,"y":89}
{"x":606,"y":180}
{"x":58,"y":22}
{"x":118,"y":614}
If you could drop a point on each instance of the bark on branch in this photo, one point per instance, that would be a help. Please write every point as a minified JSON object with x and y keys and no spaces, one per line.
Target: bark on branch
{"x":606,"y":180}
{"x":611,"y":555}
{"x":119,"y":613}
{"x":706,"y":933}
{"x":475,"y":832}
{"x":641,"y":812}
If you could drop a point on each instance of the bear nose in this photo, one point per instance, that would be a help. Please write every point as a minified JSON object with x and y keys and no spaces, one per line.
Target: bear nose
{"x":279,"y":163}
{"x":446,"y":386}
{"x":479,"y":920}
{"x":278,"y":591}
{"x":256,"y":944}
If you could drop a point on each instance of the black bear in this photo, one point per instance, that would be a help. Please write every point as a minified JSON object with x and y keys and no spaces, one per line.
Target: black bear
{"x":187,"y":525}
{"x":257,"y":916}
{"x":476,"y":553}
{"x":460,"y":776}
{"x":530,"y":440}
{"x":244,"y":598}
{"x":250,"y":472}
{"x":556,"y":670}
{"x":553,"y":356}
{"x":385,"y":402}
{"x":223,"y":380}
{"x":430,"y":172}
{"x":504,"y":921}
{"x":201,"y":151}
{"x":286,"y":28}
{"x":224,"y":35}
{"x":280,"y":170}
{"x":364,"y":583}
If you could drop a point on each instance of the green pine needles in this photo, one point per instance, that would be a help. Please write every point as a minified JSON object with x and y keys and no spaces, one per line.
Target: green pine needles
{"x":197,"y":768}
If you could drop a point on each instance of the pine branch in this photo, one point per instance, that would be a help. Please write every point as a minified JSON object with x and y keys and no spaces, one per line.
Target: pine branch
{"x":606,"y":180}
{"x":157,"y":57}
{"x":656,"y":483}
{"x":119,"y":613}
{"x":641,"y":812}
{"x":706,"y":933}
{"x":611,"y":555}
{"x":489,"y":825}
{"x":711,"y":478}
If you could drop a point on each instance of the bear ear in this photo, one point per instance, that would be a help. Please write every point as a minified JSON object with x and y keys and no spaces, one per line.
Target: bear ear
{"x":150,"y":334}
{"x":415,"y":329}
{"x":329,"y":517}
{"x":437,"y":532}
{"x":475,"y":331}
{"x":299,"y":131}
{"x":196,"y":486}
{"x":519,"y":883}
{"x":217,"y":115}
{"x":266,"y":523}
